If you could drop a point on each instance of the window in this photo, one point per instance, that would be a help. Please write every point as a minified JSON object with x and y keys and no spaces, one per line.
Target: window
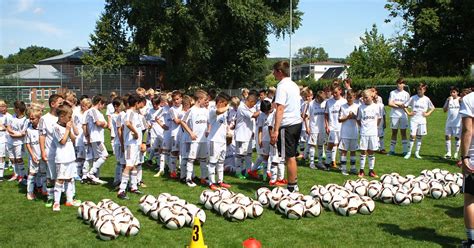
{"x":46,"y":94}
{"x":39,"y":95}
{"x":77,"y":71}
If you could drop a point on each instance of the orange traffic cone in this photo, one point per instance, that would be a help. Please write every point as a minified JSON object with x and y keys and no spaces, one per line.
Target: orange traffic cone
{"x":251,"y":243}
{"x":197,"y":239}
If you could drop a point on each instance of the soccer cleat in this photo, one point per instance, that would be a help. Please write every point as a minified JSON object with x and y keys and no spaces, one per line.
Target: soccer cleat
{"x":96,"y":180}
{"x":353,"y":171}
{"x":203,"y":181}
{"x":417,"y":155}
{"x":361,"y":173}
{"x":372,"y":174}
{"x":173,"y":175}
{"x":407,"y":156}
{"x":136,"y":191}
{"x":391,"y":153}
{"x":30,"y":196}
{"x":21,"y":179}
{"x":344,"y":173}
{"x":49,"y":203}
{"x":213,"y":187}
{"x":224,"y":185}
{"x":190,"y":183}
{"x":73,"y":203}
{"x":455,"y":155}
{"x":182,"y":180}
{"x":122,"y":195}
{"x":334,"y":165}
{"x":44,"y":192}
{"x":56,"y":207}
{"x":280,"y":183}
{"x":13,"y":178}
{"x":312,"y":166}
{"x":142,"y":184}
{"x":240,"y":176}
{"x":159,"y":173}
{"x":253,"y":174}
{"x":447,"y":155}
{"x":383,"y":151}
{"x":272,"y":183}
{"x":77,"y":178}
{"x":405,"y":153}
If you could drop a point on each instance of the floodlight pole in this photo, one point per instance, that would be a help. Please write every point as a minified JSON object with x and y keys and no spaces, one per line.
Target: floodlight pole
{"x":291,"y":29}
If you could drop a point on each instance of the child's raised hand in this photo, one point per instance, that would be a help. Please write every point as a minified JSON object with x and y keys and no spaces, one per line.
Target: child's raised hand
{"x":69,"y":125}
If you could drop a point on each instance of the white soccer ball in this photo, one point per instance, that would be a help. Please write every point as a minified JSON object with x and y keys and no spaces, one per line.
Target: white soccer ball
{"x":312,"y":208}
{"x":295,"y":210}
{"x":201,"y":215}
{"x":326,"y":199}
{"x":278,"y":192}
{"x":100,"y":219}
{"x":131,"y":228}
{"x":212,"y":201}
{"x":236,"y":212}
{"x":154,"y":212}
{"x":108,"y":230}
{"x":449,"y":177}
{"x":360,"y":190}
{"x":348,"y":207}
{"x":175,"y":221}
{"x":104,"y":203}
{"x":261,"y":191}
{"x":349,"y":185}
{"x":254,"y":210}
{"x":98,"y":214}
{"x":122,"y":218}
{"x":264,"y":199}
{"x":283,"y":203}
{"x":163,"y":197}
{"x":425,"y":188}
{"x":204,"y":195}
{"x":224,"y":207}
{"x":335,"y":201}
{"x":386,"y":195}
{"x":367,"y":205}
{"x":416,"y":194}
{"x":165,"y":213}
{"x":402,"y":198}
{"x":436,"y":191}
{"x":373,"y":191}
{"x":146,"y":208}
{"x":385,"y":178}
{"x":274,"y":199}
{"x":90,"y":214}
{"x":314,"y":191}
{"x":150,"y":199}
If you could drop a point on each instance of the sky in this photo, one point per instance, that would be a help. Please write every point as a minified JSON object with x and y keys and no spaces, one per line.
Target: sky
{"x":335,"y":25}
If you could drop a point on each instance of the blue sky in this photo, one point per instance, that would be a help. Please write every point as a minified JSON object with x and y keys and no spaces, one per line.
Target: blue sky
{"x":335,"y":25}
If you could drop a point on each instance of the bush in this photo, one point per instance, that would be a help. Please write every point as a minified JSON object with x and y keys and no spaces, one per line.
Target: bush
{"x":438,"y":88}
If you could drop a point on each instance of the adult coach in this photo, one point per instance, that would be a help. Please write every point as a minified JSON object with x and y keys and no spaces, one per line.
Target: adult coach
{"x":467,"y":156}
{"x":288,"y":121}
{"x":398,"y":117}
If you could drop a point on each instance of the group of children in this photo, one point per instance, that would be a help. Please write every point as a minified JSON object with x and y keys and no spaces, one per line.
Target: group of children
{"x":218,"y":131}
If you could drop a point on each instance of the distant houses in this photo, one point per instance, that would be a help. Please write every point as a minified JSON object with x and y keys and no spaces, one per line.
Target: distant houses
{"x":320,"y":70}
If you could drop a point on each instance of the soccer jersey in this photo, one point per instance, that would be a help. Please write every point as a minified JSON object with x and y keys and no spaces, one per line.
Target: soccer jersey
{"x":96,"y":133}
{"x":368,"y":116}
{"x":151,"y":117}
{"x":218,"y":125}
{"x":45,"y":128}
{"x":175,"y":113}
{"x":165,"y":117}
{"x":419,"y":106}
{"x":4,"y":119}
{"x":349,"y":128}
{"x":453,"y":119}
{"x":135,"y":120}
{"x":288,"y":94}
{"x":244,"y":124}
{"x":32,"y":138}
{"x":64,"y":153}
{"x":264,"y":121}
{"x":196,"y":119}
{"x":231,"y":116}
{"x":398,"y":97}
{"x":382,"y":112}
{"x":115,"y":118}
{"x":333,"y":107}
{"x":315,"y":114}
{"x":18,"y":125}
{"x":78,"y":119}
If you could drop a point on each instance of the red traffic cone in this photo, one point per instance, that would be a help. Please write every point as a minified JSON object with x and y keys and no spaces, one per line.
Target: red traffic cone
{"x":251,"y":243}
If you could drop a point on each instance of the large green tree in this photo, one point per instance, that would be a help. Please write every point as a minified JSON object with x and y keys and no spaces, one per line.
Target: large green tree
{"x":374,"y":58}
{"x":311,"y":54}
{"x":210,"y":43}
{"x":31,"y":55}
{"x":438,"y":35}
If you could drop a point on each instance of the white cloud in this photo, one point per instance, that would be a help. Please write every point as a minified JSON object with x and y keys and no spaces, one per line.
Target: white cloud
{"x":42,"y":27}
{"x":24,"y":5}
{"x":38,"y":11}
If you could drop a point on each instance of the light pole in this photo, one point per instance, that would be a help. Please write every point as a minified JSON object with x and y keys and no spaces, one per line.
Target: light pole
{"x":291,"y":29}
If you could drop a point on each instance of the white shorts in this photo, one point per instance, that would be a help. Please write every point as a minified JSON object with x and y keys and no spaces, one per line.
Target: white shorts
{"x":35,"y":168}
{"x":317,"y":139}
{"x":265,"y":148}
{"x":217,"y":151}
{"x":156,"y":143}
{"x":15,"y":151}
{"x":88,"y":151}
{"x":274,"y":155}
{"x":99,"y":150}
{"x":451,"y":131}
{"x":80,"y":152}
{"x":183,"y":149}
{"x":175,"y":144}
{"x":132,"y":155}
{"x":399,"y":122}
{"x":417,"y":129}
{"x":167,"y":142}
{"x":348,"y":145}
{"x":197,"y":150}
{"x":304,"y":136}
{"x":66,"y":170}
{"x":51,"y":172}
{"x":369,"y":143}
{"x":229,"y":156}
{"x":118,"y":153}
{"x":3,"y":150}
{"x":334,"y":137}
{"x":242,"y":148}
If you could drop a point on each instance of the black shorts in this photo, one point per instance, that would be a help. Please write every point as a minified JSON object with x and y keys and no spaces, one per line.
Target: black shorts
{"x":289,"y":136}
{"x":468,"y":185}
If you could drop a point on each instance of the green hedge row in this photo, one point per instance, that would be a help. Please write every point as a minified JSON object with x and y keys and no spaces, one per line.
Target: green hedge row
{"x":438,"y":88}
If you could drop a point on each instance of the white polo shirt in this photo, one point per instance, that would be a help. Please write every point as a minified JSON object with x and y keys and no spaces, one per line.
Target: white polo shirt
{"x":288,"y":95}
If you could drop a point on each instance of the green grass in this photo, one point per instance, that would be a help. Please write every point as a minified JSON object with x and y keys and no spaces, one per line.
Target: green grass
{"x":432,"y":223}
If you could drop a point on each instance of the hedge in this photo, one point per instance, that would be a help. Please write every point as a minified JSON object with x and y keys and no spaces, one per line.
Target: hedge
{"x":438,"y":87}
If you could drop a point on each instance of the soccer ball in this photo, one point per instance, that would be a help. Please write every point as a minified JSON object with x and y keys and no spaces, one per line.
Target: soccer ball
{"x":261,"y":190}
{"x":367,"y":205}
{"x":416,"y":195}
{"x":91,"y":212}
{"x":212,"y":201}
{"x":436,"y":191}
{"x":423,"y":186}
{"x":282,"y":204}
{"x":146,"y":208}
{"x":254,"y":210}
{"x":274,"y":199}
{"x":201,"y":215}
{"x":386,"y":195}
{"x":295,"y":210}
{"x":373,"y":191}
{"x":174,"y":221}
{"x":236,"y":212}
{"x":360,"y":190}
{"x":148,"y":199}
{"x":453,"y":189}
{"x":279,"y":192}
{"x":204,"y":195}
{"x":334,"y":204}
{"x":264,"y":199}
{"x":108,"y":230}
{"x":312,"y":208}
{"x":326,"y":199}
{"x":131,"y":228}
{"x":402,"y":198}
{"x":104,"y":203}
{"x":223,"y":207}
{"x":348,"y":206}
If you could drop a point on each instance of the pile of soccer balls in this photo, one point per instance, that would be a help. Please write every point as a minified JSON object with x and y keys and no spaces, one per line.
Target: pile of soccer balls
{"x":292,"y":205}
{"x":234,"y":207}
{"x":109,"y":219}
{"x":170,"y":210}
{"x":342,"y":200}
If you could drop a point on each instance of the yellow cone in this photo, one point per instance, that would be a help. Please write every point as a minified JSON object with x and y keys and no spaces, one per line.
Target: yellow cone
{"x":197,"y":240}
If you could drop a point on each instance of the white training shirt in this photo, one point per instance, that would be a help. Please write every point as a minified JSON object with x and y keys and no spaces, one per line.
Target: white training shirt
{"x":96,"y":133}
{"x":165,"y":117}
{"x":218,"y":125}
{"x":64,"y":153}
{"x":45,"y":127}
{"x":244,"y":123}
{"x":333,"y":107}
{"x":175,"y":113}
{"x":231,"y":116}
{"x":419,"y":105}
{"x":368,"y":116}
{"x":196,"y":119}
{"x":265,"y":121}
{"x":4,"y":119}
{"x":349,"y":128}
{"x":315,"y":114}
{"x":78,"y":119}
{"x":288,"y":95}
{"x":467,"y":110}
{"x":32,"y":138}
{"x":110,"y":109}
{"x":398,"y":97}
{"x":453,"y":119}
{"x":18,"y":125}
{"x":382,"y":113}
{"x":115,"y":119}
{"x":151,"y":117}
{"x":134,"y":118}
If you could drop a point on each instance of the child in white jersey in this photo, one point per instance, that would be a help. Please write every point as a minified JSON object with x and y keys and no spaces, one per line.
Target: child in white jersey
{"x":65,"y":158}
{"x":47,"y":147}
{"x":349,"y":132}
{"x":382,"y":125}
{"x":16,"y":129}
{"x":37,"y":167}
{"x":176,"y":114}
{"x":115,"y":124}
{"x":314,"y":122}
{"x":277,"y":162}
{"x":368,"y":118}
{"x":187,"y":102}
{"x":93,"y":127}
{"x":195,"y":124}
{"x":217,"y":141}
{"x":422,"y":107}
{"x":306,"y":98}
{"x":165,"y":121}
{"x":4,"y":116}
{"x":77,"y":120}
{"x":133,"y":144}
{"x":332,"y":124}
{"x":453,"y":122}
{"x":398,"y":118}
{"x":264,"y":136}
{"x":157,"y":130}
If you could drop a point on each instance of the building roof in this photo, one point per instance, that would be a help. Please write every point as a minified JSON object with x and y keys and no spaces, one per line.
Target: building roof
{"x":39,"y":72}
{"x":328,"y":63}
{"x":332,"y":73}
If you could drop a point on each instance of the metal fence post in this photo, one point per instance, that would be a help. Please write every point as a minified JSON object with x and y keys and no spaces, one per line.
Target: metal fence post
{"x":101,"y":72}
{"x":82,"y":80}
{"x":120,"y":80}
{"x":17,"y":83}
{"x":61,"y":76}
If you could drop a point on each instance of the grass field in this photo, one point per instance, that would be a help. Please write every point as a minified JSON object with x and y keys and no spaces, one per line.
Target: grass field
{"x":432,"y":223}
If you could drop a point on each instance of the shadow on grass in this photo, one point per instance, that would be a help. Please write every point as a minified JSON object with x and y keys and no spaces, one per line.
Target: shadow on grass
{"x":453,"y":212}
{"x":421,"y":234}
{"x":439,"y":159}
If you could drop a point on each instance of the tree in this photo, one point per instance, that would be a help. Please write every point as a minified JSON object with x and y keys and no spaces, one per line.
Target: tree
{"x":210,"y":43}
{"x":311,"y":54}
{"x":31,"y":55}
{"x":438,"y":36}
{"x":374,"y":58}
